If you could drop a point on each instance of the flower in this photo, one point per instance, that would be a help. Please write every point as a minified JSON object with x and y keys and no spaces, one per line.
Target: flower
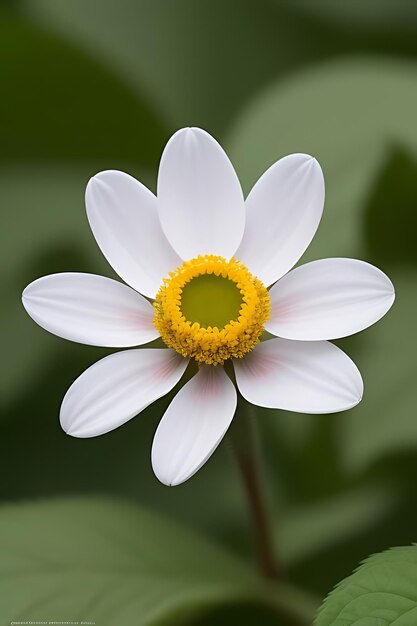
{"x":207,"y":258}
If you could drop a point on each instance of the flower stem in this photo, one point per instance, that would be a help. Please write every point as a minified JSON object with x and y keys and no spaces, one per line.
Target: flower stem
{"x":294,"y":606}
{"x":245,"y":445}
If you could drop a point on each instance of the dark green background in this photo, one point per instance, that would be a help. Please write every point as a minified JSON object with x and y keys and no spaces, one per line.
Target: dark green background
{"x":90,"y":85}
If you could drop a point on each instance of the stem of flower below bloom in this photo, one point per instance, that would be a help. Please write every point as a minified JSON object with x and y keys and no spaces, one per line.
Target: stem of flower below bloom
{"x":299,"y":607}
{"x":245,"y":445}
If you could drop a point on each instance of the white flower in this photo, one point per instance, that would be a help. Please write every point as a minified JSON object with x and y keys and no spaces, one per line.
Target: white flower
{"x":181,"y":249}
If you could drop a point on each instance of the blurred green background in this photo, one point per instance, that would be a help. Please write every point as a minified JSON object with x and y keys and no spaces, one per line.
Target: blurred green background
{"x":86,"y":531}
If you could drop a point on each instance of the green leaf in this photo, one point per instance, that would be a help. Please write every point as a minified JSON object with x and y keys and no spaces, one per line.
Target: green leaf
{"x":391,"y":218}
{"x":310,"y":529}
{"x":382,"y":591}
{"x":391,"y":16}
{"x":113,"y":563}
{"x":61,"y":104}
{"x":47,"y":231}
{"x":384,"y":422}
{"x":168,"y":47}
{"x":348,"y":114}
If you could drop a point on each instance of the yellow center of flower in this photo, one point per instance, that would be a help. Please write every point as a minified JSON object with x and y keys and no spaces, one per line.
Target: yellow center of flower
{"x":211,"y":309}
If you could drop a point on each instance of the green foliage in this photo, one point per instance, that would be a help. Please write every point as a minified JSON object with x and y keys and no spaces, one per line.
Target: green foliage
{"x":391,"y":216}
{"x":394,"y":17}
{"x":347,"y":114}
{"x":114,"y":563}
{"x":198,"y":60}
{"x":60,"y":104}
{"x":47,"y":232}
{"x":383,"y":590}
{"x":305,"y":531}
{"x":384,"y":423}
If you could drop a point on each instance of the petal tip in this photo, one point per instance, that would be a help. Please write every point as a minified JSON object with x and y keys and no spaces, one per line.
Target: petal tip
{"x":309,"y":158}
{"x":355,"y":403}
{"x":306,"y":159}
{"x":72,"y":432}
{"x":27,"y":298}
{"x":388,"y":290}
{"x":65,"y":428}
{"x":166,"y":482}
{"x":160,"y":472}
{"x":169,"y":482}
{"x":101,"y":180}
{"x":190,"y":133}
{"x":358,"y":396}
{"x":92,"y":190}
{"x":161,"y":476}
{"x":391,"y":290}
{"x":312,"y":165}
{"x":94,"y":183}
{"x":66,"y":423}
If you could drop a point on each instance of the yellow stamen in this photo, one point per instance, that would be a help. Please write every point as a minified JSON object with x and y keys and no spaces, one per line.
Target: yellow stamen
{"x":212,"y":345}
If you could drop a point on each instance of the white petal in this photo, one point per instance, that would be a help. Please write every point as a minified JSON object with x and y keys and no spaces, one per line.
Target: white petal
{"x":200,"y":201}
{"x":328,"y":299}
{"x":305,"y":377}
{"x":193,"y":425}
{"x":124,"y":219}
{"x":283,"y":211}
{"x":117,"y":388}
{"x":90,"y":309}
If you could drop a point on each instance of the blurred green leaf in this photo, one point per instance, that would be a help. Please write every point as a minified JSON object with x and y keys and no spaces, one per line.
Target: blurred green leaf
{"x":347,"y":114}
{"x":46,"y":227}
{"x":61,"y":104}
{"x":391,"y":211}
{"x":312,"y":528}
{"x":111,"y":562}
{"x":382,"y":591}
{"x":168,"y":48}
{"x":394,"y":16}
{"x":45,"y":231}
{"x":243,"y":614}
{"x":384,"y":422}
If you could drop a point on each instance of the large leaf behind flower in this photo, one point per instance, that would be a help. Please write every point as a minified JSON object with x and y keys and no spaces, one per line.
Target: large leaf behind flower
{"x":311,"y":529}
{"x":168,"y":46}
{"x":394,"y":18}
{"x":382,"y":591}
{"x":114,"y":563}
{"x":384,"y":422}
{"x":349,"y":114}
{"x":58,"y":103}
{"x":46,"y":231}
{"x":391,"y":216}
{"x":198,"y":60}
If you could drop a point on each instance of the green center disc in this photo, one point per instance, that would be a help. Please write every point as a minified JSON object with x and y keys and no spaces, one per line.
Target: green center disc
{"x":211,"y":301}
